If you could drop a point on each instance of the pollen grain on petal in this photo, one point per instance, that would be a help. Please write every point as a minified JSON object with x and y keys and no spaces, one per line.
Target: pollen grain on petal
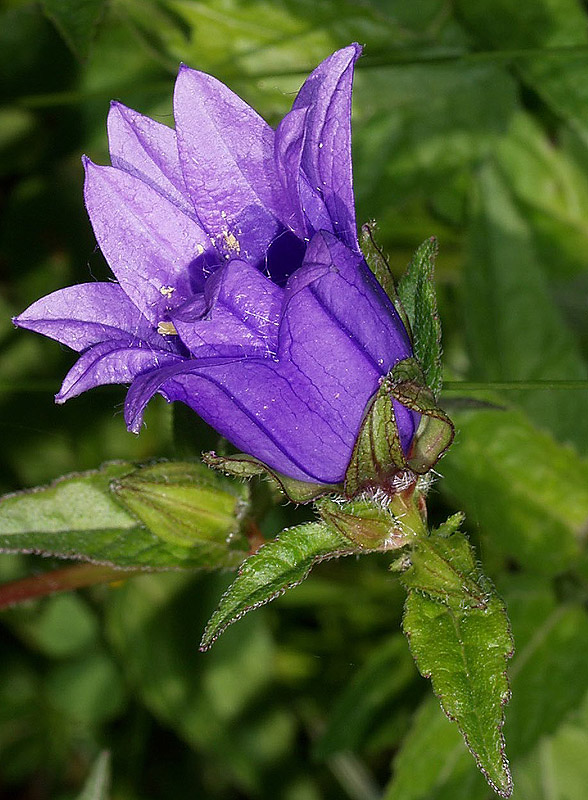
{"x":166,"y":329}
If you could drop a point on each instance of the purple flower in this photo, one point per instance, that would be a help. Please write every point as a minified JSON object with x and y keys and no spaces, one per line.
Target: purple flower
{"x":241,"y":288}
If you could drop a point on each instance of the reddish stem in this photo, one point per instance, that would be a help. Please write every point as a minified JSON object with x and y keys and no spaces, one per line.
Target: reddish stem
{"x":59,"y":580}
{"x":254,"y":536}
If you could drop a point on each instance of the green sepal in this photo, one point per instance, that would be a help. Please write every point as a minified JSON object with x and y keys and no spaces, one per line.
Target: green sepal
{"x":460,"y":638}
{"x":184,"y":503}
{"x":378,"y":263}
{"x":416,"y":290}
{"x":242,"y":465}
{"x":279,"y":564}
{"x":377,"y":459}
{"x":435,"y":432}
{"x":365,"y":523}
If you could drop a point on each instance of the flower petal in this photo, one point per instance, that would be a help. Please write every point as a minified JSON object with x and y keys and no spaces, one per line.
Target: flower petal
{"x":311,"y":213}
{"x":111,"y":362}
{"x":260,"y":407}
{"x":148,"y":150}
{"x":237,"y":315}
{"x":326,"y":157}
{"x":227,"y":156}
{"x":151,"y":246}
{"x":83,"y":315}
{"x":336,"y":292}
{"x":339,"y":335}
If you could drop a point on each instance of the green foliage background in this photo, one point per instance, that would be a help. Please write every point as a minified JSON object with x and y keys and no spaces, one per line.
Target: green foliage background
{"x":471,"y":123}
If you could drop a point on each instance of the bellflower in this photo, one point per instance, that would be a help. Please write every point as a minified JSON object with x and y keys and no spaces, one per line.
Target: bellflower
{"x":240,"y":286}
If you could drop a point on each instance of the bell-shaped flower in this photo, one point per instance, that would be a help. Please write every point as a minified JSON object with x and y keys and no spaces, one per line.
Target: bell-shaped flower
{"x":240,"y":286}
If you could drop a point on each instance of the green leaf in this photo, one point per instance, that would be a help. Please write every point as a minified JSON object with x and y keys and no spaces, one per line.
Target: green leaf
{"x":378,"y":263}
{"x":559,"y":78}
{"x":79,"y":517}
{"x":552,"y":189}
{"x":542,"y":486}
{"x":423,"y":127}
{"x":549,"y":693}
{"x":185,"y":503}
{"x":220,"y":703}
{"x":278,"y":565}
{"x":76,"y":21}
{"x":433,"y":762}
{"x":548,"y":673}
{"x":459,"y":635}
{"x":558,"y":768}
{"x":368,"y":698}
{"x":417,"y":294}
{"x":88,"y":690}
{"x":514,"y":330}
{"x":242,"y":465}
{"x":97,"y":786}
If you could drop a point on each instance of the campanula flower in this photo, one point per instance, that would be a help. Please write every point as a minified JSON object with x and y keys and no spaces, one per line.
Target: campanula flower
{"x":240,"y":286}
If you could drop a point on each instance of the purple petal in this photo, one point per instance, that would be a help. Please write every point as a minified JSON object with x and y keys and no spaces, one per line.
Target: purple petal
{"x":83,"y":315}
{"x":238,"y":314}
{"x":407,"y":422}
{"x":151,"y":246}
{"x":339,"y":335}
{"x":334,"y":293}
{"x":260,"y":408}
{"x":147,"y":150}
{"x":326,"y":157}
{"x":311,"y":213}
{"x":111,"y":362}
{"x":289,"y":144}
{"x":227,"y":157}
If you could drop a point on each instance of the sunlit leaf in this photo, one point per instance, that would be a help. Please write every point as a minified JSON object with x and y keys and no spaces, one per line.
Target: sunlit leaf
{"x":514,"y":331}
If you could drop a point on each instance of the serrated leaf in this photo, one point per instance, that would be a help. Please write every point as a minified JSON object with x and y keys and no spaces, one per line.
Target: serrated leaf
{"x":548,"y":683}
{"x":459,"y":635}
{"x":245,"y":466}
{"x":79,"y":517}
{"x":278,"y":565}
{"x":76,"y":21}
{"x":97,"y":786}
{"x":416,"y":290}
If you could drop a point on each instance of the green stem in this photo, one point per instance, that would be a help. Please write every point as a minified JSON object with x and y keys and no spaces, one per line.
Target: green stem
{"x":59,"y":580}
{"x":485,"y":386}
